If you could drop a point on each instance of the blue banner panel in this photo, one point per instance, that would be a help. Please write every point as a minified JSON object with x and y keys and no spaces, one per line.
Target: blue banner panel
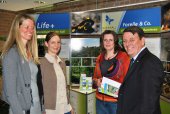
{"x":149,"y":19}
{"x":59,"y":22}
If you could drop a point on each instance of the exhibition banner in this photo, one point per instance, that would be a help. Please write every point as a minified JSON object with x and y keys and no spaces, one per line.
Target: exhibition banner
{"x":85,"y":23}
{"x":59,"y":23}
{"x":165,"y":18}
{"x":112,"y":20}
{"x":148,"y":19}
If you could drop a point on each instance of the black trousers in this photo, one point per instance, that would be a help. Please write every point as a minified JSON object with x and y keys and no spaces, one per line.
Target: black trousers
{"x":27,"y":112}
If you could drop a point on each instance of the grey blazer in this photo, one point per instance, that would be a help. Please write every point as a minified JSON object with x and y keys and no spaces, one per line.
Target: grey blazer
{"x":16,"y":81}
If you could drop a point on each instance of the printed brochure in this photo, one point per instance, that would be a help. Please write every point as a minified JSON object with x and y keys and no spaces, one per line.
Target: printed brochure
{"x":109,"y":87}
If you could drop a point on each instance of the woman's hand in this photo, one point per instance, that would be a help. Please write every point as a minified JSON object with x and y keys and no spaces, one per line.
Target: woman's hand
{"x":72,"y":111}
{"x":98,"y":82}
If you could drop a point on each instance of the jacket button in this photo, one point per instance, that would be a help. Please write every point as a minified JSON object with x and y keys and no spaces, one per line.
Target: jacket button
{"x":27,"y":85}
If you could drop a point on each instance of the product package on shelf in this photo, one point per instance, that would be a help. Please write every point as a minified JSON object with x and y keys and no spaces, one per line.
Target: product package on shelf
{"x":89,"y":84}
{"x":85,"y":83}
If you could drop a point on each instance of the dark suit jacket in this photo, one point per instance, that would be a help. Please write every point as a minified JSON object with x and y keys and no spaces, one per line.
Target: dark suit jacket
{"x":141,"y":89}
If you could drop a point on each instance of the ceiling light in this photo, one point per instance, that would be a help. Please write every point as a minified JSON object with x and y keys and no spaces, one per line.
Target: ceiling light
{"x":43,"y":7}
{"x":39,"y":2}
{"x":3,"y":1}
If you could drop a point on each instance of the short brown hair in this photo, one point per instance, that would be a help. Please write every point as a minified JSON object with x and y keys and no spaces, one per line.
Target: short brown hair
{"x":116,"y":40}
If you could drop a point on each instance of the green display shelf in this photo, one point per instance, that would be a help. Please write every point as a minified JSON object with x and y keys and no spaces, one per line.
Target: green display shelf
{"x":165,"y":105}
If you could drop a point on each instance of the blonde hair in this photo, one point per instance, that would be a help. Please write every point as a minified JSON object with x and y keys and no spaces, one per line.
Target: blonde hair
{"x":14,"y":38}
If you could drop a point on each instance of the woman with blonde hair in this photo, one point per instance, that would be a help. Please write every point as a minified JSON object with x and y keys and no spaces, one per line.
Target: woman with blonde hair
{"x":20,"y":71}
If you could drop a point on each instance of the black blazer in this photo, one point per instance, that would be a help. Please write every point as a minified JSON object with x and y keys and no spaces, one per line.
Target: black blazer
{"x":141,"y":89}
{"x":40,"y":89}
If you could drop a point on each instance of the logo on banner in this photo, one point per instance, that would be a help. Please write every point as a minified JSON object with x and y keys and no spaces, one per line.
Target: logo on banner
{"x":108,"y":19}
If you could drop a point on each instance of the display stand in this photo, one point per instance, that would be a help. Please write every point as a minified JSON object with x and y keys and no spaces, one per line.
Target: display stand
{"x":85,"y":47}
{"x":83,"y":102}
{"x":165,"y":104}
{"x":165,"y":58}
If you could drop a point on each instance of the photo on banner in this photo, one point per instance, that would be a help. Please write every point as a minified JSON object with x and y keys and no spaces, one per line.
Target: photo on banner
{"x":165,"y":23}
{"x":85,"y":23}
{"x":84,"y":52}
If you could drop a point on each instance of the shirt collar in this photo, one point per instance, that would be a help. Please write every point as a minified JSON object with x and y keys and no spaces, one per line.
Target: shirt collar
{"x":139,"y":53}
{"x":53,"y":59}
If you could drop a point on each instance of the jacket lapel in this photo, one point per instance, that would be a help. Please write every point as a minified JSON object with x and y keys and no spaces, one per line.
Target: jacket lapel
{"x":135,"y":64}
{"x":26,"y":73}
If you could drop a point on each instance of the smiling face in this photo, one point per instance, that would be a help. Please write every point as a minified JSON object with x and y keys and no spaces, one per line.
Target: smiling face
{"x":54,"y":45}
{"x":26,"y":30}
{"x":132,"y":43}
{"x":108,"y":42}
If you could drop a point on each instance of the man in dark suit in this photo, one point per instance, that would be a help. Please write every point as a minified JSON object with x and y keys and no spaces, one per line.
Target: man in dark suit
{"x":141,"y":89}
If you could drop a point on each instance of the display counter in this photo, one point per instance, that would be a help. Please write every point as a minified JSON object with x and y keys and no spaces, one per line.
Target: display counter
{"x":83,"y":102}
{"x":165,"y":105}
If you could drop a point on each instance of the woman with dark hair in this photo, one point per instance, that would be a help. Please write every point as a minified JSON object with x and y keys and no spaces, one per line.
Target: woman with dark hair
{"x":112,"y":63}
{"x":53,"y":70}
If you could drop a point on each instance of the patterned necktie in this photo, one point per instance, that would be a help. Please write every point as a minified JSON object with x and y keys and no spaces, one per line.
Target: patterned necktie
{"x":131,"y":61}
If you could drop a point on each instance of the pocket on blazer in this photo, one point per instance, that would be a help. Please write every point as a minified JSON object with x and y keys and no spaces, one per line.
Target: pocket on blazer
{"x":23,"y":102}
